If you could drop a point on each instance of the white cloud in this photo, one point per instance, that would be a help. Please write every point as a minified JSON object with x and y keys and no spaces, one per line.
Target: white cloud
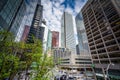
{"x":52,"y":14}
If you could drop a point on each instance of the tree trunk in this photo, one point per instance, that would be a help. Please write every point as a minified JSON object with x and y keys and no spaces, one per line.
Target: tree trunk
{"x":12,"y":75}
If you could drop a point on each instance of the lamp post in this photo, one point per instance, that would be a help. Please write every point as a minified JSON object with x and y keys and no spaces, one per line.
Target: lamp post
{"x":108,"y":69}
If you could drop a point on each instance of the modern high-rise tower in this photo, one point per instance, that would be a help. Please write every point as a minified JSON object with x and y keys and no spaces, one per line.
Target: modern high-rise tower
{"x":102,"y":23}
{"x":11,"y":15}
{"x":84,"y":54}
{"x":28,"y":17}
{"x":25,"y":33}
{"x":36,"y":23}
{"x":67,"y":32}
{"x":81,"y":34}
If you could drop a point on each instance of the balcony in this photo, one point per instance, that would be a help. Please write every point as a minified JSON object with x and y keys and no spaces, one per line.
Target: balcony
{"x":110,"y":42}
{"x":114,"y":54}
{"x":99,"y":46}
{"x":97,"y":37}
{"x":117,"y":34}
{"x":116,"y":28}
{"x":96,"y":33}
{"x":93,"y":52}
{"x":103,"y":56}
{"x":108,"y":37}
{"x":118,"y":39}
{"x":112,"y":48}
{"x":90,"y":40}
{"x":102,"y":25}
{"x":99,"y":41}
{"x":92,"y":48}
{"x":101,"y":50}
{"x":89,"y":36}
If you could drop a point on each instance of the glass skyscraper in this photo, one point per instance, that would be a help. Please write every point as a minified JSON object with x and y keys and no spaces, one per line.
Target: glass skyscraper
{"x":36,"y":23}
{"x":11,"y":14}
{"x":28,"y":17}
{"x":67,"y":33}
{"x":49,"y":40}
{"x":81,"y":34}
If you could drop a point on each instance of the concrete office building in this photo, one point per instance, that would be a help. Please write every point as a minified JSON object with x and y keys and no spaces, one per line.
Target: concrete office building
{"x":68,"y":61}
{"x":62,"y":57}
{"x":55,"y":39}
{"x":11,"y":15}
{"x":36,"y":23}
{"x":67,"y":32}
{"x":102,"y":24}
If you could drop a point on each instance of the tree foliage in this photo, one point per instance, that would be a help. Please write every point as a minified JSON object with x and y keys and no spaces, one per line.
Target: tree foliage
{"x":19,"y":56}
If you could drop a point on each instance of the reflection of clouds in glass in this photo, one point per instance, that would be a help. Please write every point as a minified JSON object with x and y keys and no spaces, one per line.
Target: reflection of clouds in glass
{"x":27,"y":20}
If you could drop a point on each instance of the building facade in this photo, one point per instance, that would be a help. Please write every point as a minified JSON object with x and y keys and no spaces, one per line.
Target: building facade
{"x":28,"y":17}
{"x":81,"y":34}
{"x":25,"y":33}
{"x":11,"y":15}
{"x":45,"y":37}
{"x":67,"y":32}
{"x":55,"y":39}
{"x":102,"y":24}
{"x":62,"y":57}
{"x":36,"y":23}
{"x":84,"y":57}
{"x":49,"y":40}
{"x":77,"y":50}
{"x":49,"y":43}
{"x":68,"y":61}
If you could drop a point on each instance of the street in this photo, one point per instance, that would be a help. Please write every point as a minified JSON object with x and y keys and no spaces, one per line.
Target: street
{"x":58,"y":74}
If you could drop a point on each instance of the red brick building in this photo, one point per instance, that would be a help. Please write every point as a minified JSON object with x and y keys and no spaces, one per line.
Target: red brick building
{"x":25,"y":33}
{"x":55,"y":39}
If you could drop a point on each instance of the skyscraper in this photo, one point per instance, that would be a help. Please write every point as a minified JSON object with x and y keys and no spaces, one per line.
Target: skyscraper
{"x":49,"y":43}
{"x":77,"y":49}
{"x":81,"y":34}
{"x":28,"y":17}
{"x":25,"y":33}
{"x":102,"y":23}
{"x":36,"y":23}
{"x":11,"y":15}
{"x":49,"y":40}
{"x":45,"y":37}
{"x":67,"y":32}
{"x":84,"y":54}
{"x":55,"y":39}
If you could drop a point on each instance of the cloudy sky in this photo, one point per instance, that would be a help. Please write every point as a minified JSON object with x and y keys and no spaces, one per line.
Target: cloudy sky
{"x":53,"y":10}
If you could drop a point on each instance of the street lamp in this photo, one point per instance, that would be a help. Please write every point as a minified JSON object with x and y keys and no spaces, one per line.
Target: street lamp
{"x":108,"y":69}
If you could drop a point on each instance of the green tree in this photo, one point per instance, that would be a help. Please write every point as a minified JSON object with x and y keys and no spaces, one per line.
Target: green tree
{"x":19,"y":56}
{"x":8,"y":60}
